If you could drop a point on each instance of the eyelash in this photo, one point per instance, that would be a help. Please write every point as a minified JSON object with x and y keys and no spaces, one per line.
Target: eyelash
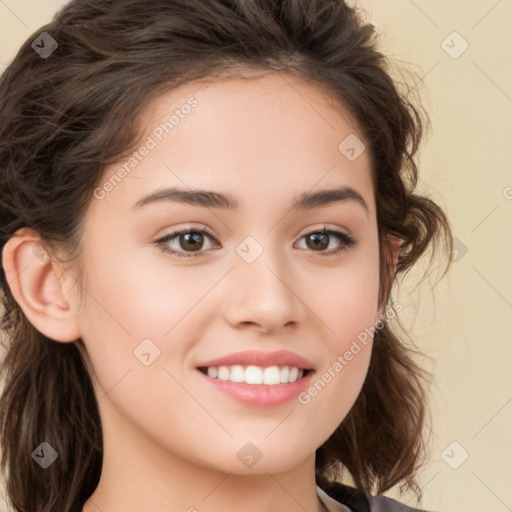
{"x":347,"y":241}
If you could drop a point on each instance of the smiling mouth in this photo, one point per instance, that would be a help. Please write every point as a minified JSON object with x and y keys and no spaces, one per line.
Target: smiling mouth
{"x":250,"y":374}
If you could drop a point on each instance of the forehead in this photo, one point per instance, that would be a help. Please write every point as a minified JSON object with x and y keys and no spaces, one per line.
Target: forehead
{"x":253,"y":105}
{"x":255,"y":137}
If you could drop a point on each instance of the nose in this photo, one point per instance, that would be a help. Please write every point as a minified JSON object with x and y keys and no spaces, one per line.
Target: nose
{"x":264,"y":293}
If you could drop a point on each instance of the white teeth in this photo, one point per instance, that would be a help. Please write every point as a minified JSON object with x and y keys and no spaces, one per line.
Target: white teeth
{"x":236,"y":374}
{"x":213,"y":372}
{"x":223,"y":373}
{"x":294,"y":372}
{"x":253,"y":375}
{"x":271,"y":375}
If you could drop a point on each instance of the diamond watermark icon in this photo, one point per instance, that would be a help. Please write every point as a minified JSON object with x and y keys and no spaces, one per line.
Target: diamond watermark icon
{"x":459,"y":249}
{"x":351,"y":147}
{"x":249,"y":249}
{"x":454,"y":455}
{"x":249,"y":454}
{"x":146,"y":352}
{"x":45,"y":455}
{"x":44,"y":44}
{"x":40,"y":253}
{"x":454,"y":45}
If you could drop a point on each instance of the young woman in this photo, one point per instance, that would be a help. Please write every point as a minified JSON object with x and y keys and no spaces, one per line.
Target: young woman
{"x":204,"y":205}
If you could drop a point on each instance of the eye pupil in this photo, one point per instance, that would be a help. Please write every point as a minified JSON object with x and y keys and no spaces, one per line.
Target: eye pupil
{"x":193,"y":239}
{"x":318,"y":243}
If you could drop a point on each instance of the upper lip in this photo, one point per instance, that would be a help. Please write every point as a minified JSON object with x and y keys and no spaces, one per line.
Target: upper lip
{"x":258,"y":358}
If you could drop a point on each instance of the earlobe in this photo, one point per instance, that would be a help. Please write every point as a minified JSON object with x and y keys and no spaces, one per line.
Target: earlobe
{"x":35,"y":285}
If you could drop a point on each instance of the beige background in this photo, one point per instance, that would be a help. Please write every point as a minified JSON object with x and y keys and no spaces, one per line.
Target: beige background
{"x":465,"y":321}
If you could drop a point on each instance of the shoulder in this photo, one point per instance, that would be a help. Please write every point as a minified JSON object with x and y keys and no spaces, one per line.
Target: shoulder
{"x":357,"y":501}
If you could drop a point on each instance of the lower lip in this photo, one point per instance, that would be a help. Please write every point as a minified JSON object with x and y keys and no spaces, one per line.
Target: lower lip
{"x":260,"y":395}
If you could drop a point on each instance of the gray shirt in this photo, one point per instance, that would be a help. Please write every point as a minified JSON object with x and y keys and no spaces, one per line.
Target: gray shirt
{"x":377,"y":504}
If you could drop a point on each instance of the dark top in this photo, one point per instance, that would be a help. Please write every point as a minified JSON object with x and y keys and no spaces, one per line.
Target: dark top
{"x":338,"y":497}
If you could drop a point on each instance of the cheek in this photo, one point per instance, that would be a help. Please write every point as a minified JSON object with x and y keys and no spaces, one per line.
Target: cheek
{"x":348,"y":301}
{"x":133,"y":307}
{"x":140,"y":297}
{"x":348,"y":307}
{"x":350,"y":317}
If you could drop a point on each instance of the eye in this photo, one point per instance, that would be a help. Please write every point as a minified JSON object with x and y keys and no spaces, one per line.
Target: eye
{"x":320,"y":239}
{"x":191,"y":241}
{"x":187,"y":239}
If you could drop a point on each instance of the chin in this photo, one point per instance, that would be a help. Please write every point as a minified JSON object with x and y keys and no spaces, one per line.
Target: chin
{"x":249,"y":459}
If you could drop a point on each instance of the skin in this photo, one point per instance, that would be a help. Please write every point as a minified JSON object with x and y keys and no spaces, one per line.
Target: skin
{"x":170,"y":440}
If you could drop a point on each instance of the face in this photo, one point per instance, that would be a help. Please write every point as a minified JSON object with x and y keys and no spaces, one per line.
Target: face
{"x":262,"y":275}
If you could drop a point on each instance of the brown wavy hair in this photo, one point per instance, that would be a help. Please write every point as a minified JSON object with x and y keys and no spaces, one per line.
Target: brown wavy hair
{"x":67,"y":116}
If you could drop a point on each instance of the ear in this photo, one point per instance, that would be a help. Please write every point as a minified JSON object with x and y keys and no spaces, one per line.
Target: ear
{"x":38,"y":285}
{"x":391,"y":252}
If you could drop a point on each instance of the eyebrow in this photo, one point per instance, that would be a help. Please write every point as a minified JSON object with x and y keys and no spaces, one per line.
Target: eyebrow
{"x":210,"y":199}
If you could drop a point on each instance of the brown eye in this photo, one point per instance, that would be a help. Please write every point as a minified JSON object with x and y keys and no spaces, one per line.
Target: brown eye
{"x":318,"y":241}
{"x":189,"y":242}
